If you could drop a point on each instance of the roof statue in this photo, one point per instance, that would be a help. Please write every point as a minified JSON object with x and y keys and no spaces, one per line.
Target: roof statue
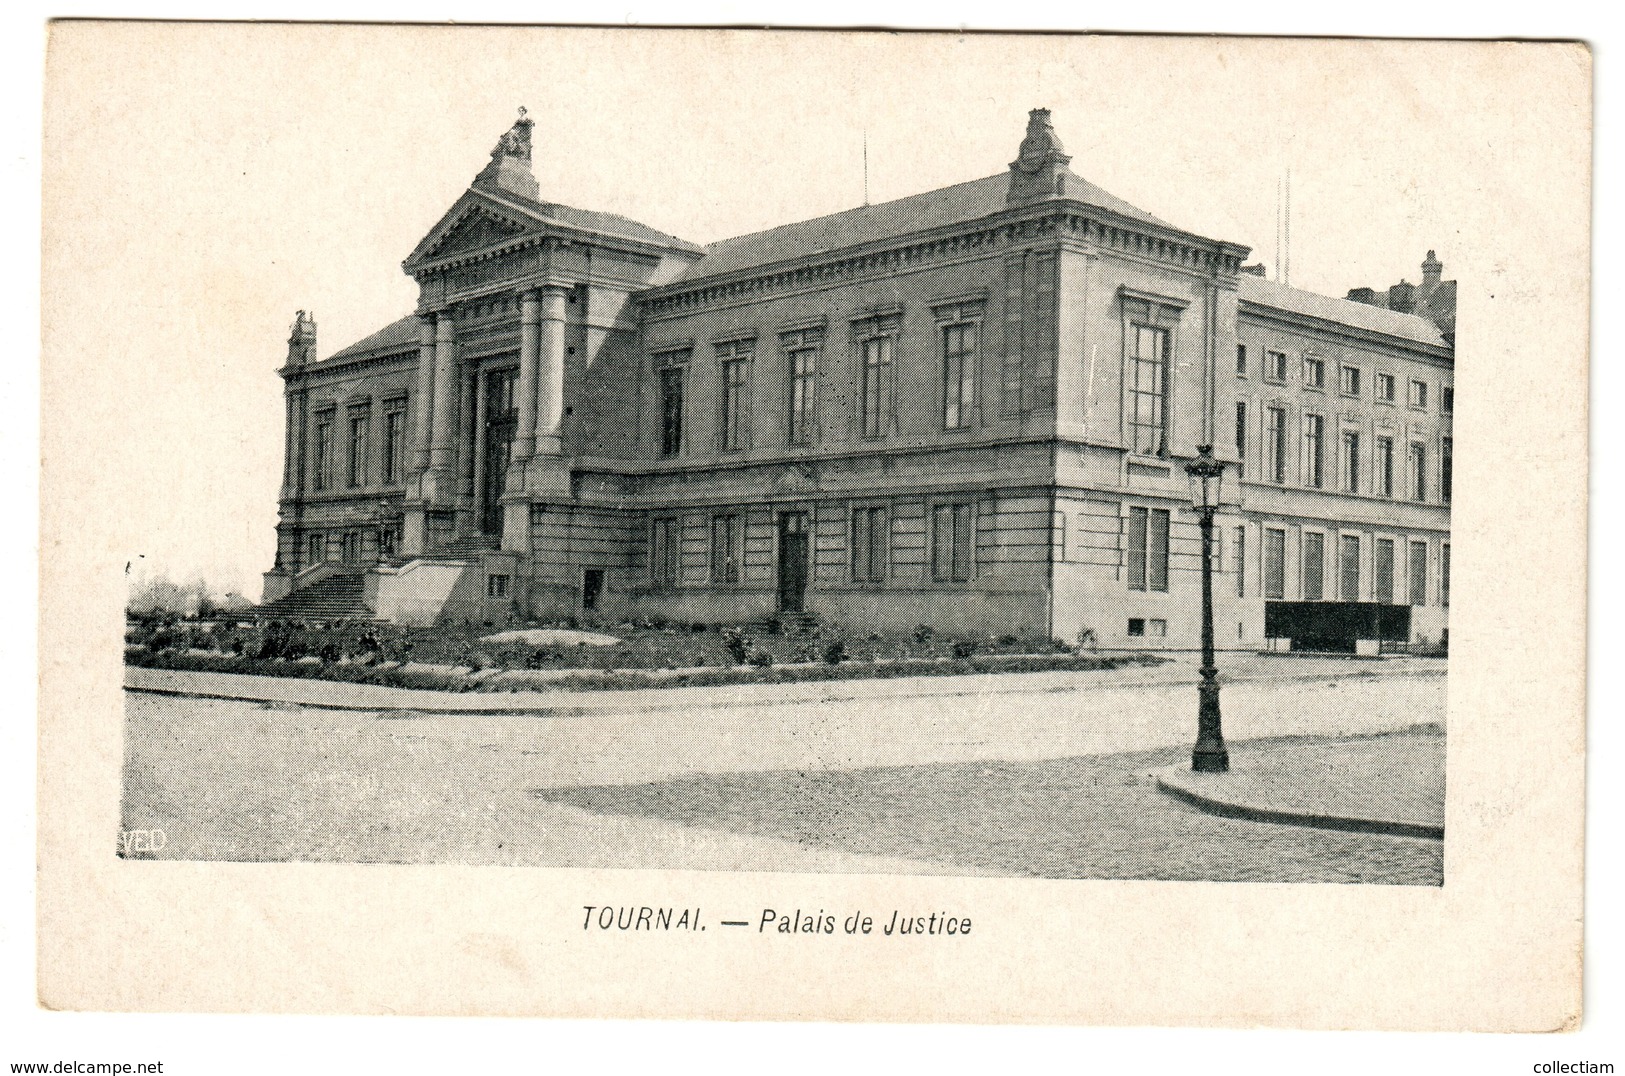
{"x":515,"y":142}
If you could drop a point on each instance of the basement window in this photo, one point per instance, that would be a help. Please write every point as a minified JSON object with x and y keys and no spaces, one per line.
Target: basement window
{"x":496,"y":586}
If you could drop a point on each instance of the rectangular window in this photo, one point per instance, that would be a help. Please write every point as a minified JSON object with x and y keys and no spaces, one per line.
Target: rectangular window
{"x":1136,"y":627}
{"x":1418,"y":563}
{"x":1444,"y":575}
{"x":735,"y":359}
{"x":1385,"y":388}
{"x":1274,"y":563}
{"x":1384,"y":473}
{"x":322,"y":473}
{"x":870,"y":542}
{"x":1445,"y":467}
{"x":958,"y":375}
{"x":350,"y":547}
{"x":1419,"y":472}
{"x":1349,"y":568}
{"x":1275,"y":444}
{"x":1383,"y":570}
{"x":724,"y":549}
{"x":1314,"y":566}
{"x":496,"y":586}
{"x":1314,"y":450}
{"x":802,"y":363}
{"x":1447,"y":400}
{"x":394,"y":441}
{"x":315,"y":548}
{"x":951,"y":548}
{"x":1241,"y":360}
{"x":673,"y":371}
{"x":1349,"y":381}
{"x":1241,"y":430}
{"x":1351,"y":462}
{"x":1419,"y":395}
{"x":663,"y":553}
{"x":1148,"y":549}
{"x":389,"y":540}
{"x":360,"y":420}
{"x":1314,"y":372}
{"x":1148,"y":371}
{"x":1241,"y":561}
{"x":876,"y":385}
{"x":1275,"y":366}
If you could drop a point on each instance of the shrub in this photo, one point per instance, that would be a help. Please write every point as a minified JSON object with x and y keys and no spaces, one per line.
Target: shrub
{"x":1008,"y":640}
{"x":924,"y":633}
{"x":1086,"y":639}
{"x":737,"y":643}
{"x":964,"y":648}
{"x":835,"y":651}
{"x":759,"y":657}
{"x":807,"y":653}
{"x":329,"y":653}
{"x":161,"y":639}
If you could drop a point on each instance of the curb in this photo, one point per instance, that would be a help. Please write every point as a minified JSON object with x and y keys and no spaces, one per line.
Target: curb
{"x":1227,"y":809}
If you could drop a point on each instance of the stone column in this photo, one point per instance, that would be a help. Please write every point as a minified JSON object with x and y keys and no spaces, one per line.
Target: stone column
{"x":530,"y":312}
{"x":421,"y":408}
{"x":550,"y":380}
{"x":442,"y":449}
{"x":479,"y":450}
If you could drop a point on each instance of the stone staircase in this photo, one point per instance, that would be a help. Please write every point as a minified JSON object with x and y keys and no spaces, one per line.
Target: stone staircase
{"x":334,"y":597}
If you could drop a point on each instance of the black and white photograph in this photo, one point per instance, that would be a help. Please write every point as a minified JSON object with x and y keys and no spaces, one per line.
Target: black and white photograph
{"x":895,"y":460}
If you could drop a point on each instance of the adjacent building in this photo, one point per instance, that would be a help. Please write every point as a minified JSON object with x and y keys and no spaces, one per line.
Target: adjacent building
{"x":969,"y":408}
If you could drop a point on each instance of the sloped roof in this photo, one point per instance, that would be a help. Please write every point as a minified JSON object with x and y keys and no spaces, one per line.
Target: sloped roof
{"x":595,"y":221}
{"x":396,"y":334}
{"x":916,"y":213}
{"x":1255,"y":289}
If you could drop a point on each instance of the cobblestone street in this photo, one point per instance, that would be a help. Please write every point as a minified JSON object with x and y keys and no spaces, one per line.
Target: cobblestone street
{"x":1049,"y":781}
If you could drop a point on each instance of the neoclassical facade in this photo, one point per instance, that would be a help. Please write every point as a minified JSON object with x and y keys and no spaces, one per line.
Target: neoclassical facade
{"x":968,"y":408}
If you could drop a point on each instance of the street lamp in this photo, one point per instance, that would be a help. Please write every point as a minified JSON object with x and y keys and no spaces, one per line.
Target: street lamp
{"x":1206,"y":475}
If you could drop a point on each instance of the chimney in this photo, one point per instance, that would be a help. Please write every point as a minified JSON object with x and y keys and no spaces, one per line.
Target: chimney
{"x":509,"y":169}
{"x":1039,"y":170}
{"x":302,"y":340}
{"x":1432,"y":269}
{"x":1402,"y":297}
{"x":1363,"y":295}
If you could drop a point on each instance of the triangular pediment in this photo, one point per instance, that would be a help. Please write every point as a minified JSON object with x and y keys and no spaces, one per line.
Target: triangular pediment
{"x":474,"y":223}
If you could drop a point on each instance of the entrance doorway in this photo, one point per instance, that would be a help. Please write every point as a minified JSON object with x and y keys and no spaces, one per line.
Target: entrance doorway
{"x":793,"y":562}
{"x":592,"y":586}
{"x":501,"y":420}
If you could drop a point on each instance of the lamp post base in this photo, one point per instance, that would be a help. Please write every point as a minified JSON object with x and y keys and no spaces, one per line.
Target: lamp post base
{"x":1209,"y":755}
{"x":1210,"y":761}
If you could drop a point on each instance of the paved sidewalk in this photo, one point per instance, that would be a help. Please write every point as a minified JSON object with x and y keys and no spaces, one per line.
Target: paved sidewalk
{"x":336,"y":695}
{"x":1391,"y":783}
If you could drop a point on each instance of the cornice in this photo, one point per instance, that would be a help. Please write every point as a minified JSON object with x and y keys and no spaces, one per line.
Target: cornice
{"x":1309,"y":322}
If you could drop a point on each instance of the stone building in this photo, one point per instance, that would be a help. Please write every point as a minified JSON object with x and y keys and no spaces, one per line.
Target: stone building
{"x":969,"y":408}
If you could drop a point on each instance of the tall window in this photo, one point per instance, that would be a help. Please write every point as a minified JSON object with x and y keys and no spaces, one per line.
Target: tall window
{"x":958,"y":375}
{"x":1314,"y":372}
{"x":1351,"y":462}
{"x":1241,"y":430}
{"x":315,"y":548}
{"x":663,"y":553}
{"x":1314,"y":566}
{"x":1275,"y":366}
{"x":1349,"y":568}
{"x":1241,"y":360}
{"x":1419,"y":395}
{"x":360,"y":420}
{"x":724,"y":549}
{"x":1384,"y":473}
{"x":1444,"y":574}
{"x":350,"y":547}
{"x":1349,"y":381}
{"x":1275,"y":444}
{"x":1241,"y":560}
{"x":1148,"y":370}
{"x":672,"y":367}
{"x":876,"y":385}
{"x":1419,"y":472}
{"x":802,"y":362}
{"x":1274,"y":563}
{"x":735,"y":358}
{"x":1314,"y":450}
{"x":394,"y":441}
{"x":1148,"y":549}
{"x":870,"y":540}
{"x":1383,"y":570}
{"x":951,"y":543}
{"x":322,"y":473}
{"x":1385,"y":388}
{"x":1445,"y":467}
{"x":1447,"y":400}
{"x":1418,"y":562}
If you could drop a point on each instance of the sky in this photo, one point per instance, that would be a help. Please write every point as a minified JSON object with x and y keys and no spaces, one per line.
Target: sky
{"x":203,"y":182}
